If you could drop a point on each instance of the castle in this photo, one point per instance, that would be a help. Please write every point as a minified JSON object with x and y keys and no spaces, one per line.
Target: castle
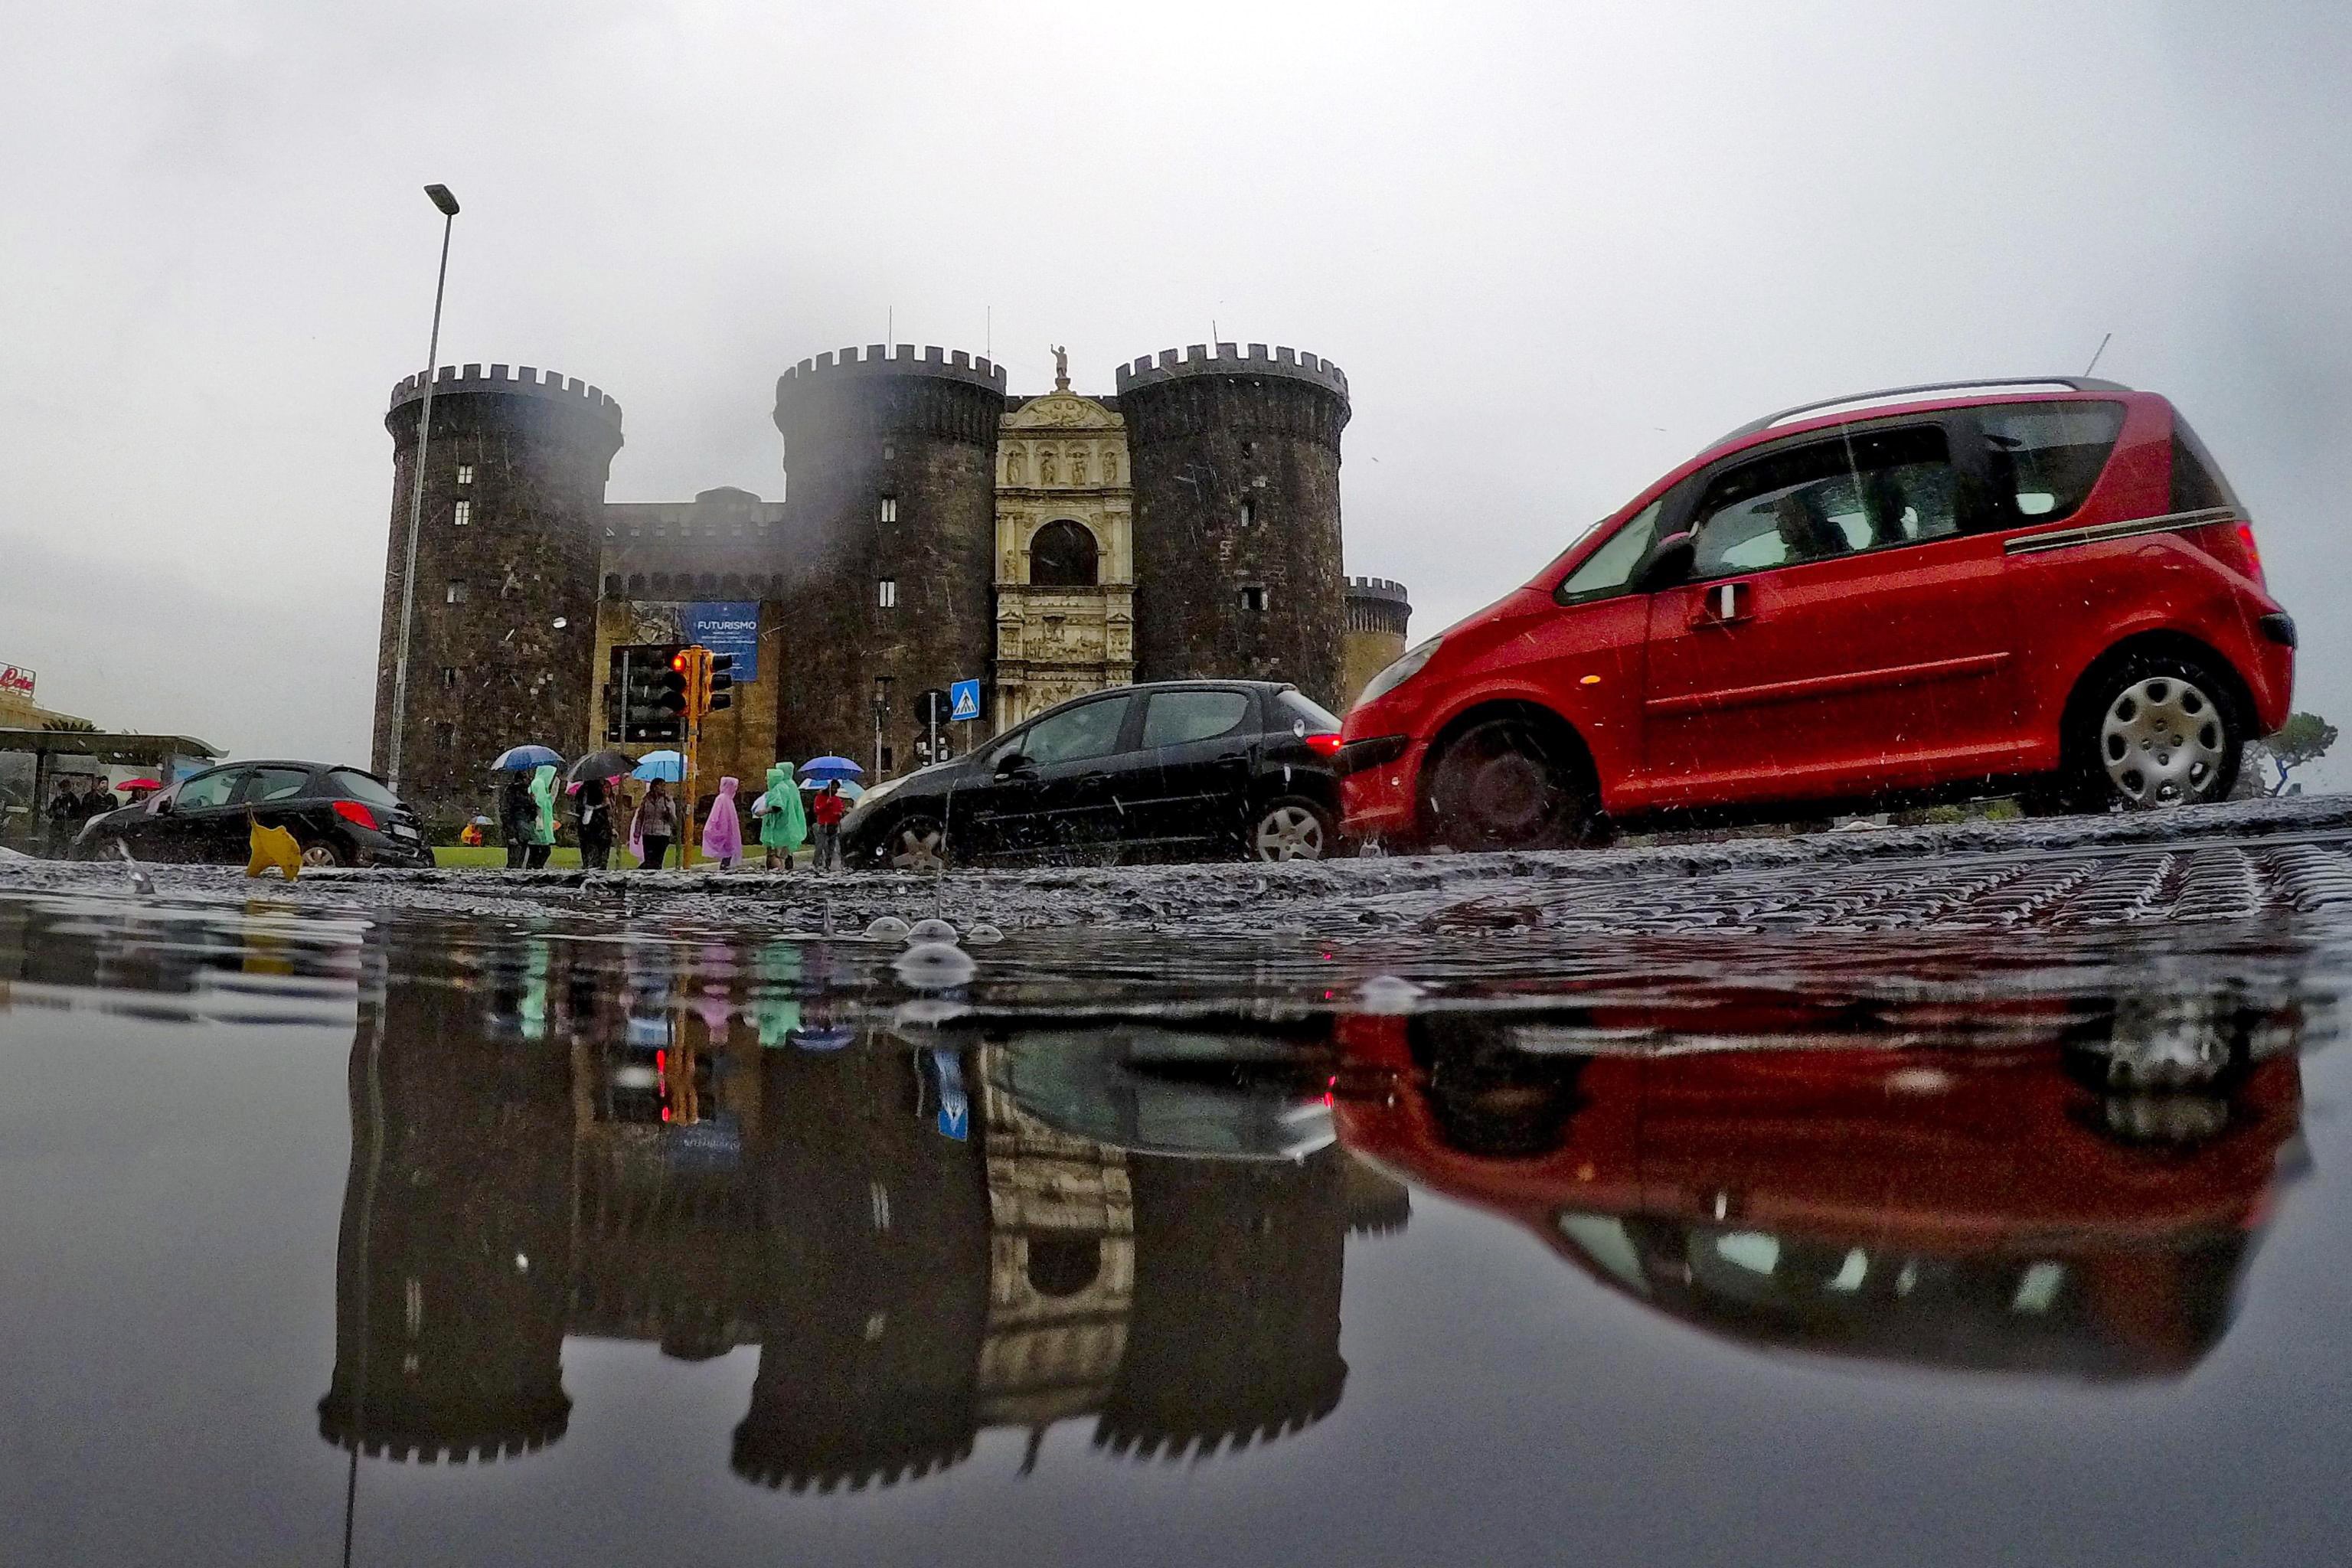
{"x":935,"y":529}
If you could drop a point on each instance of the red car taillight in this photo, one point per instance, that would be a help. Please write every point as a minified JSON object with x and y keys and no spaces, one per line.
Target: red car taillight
{"x":2253,"y":551}
{"x":352,"y":811}
{"x":1324,"y":745}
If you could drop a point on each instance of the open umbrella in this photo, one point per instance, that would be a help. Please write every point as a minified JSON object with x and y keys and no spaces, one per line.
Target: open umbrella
{"x":659,"y":765}
{"x":140,"y":784}
{"x":825,"y":770}
{"x":606,"y":764}
{"x":522,"y":759}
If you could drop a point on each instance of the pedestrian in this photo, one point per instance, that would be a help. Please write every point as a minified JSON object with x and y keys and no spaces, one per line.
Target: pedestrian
{"x":829,"y":808}
{"x":541,"y":829}
{"x":514,"y":816}
{"x":98,"y":800}
{"x":652,"y":827}
{"x":722,"y":830}
{"x":64,"y":815}
{"x":783,"y":825}
{"x":595,"y":825}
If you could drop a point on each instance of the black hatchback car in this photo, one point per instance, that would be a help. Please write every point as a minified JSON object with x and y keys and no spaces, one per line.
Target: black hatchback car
{"x":340,"y":816}
{"x":1173,"y":769}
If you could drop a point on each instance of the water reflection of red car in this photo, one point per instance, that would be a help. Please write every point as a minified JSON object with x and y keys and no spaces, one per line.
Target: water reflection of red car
{"x":1995,"y":1206}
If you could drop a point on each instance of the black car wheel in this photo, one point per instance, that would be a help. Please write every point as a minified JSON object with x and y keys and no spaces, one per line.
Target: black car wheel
{"x":1292,"y":828}
{"x":323,"y":853}
{"x":1508,"y":784}
{"x":917,"y":842}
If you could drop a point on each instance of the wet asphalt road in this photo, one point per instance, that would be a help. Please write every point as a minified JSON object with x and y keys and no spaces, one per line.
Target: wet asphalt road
{"x":1942,"y":1196}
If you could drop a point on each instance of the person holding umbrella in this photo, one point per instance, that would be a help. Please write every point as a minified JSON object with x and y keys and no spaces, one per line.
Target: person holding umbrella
{"x":591,"y":777}
{"x":783,"y":825}
{"x":516,"y":809}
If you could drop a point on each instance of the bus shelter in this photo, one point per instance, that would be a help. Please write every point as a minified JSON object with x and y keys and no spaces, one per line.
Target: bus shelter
{"x":32,"y":761}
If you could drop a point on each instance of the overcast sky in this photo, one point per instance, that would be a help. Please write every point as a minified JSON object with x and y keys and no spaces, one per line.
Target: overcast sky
{"x":1557,"y":248}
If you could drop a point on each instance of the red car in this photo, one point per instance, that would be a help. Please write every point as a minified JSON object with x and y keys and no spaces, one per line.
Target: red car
{"x":1908,"y":594}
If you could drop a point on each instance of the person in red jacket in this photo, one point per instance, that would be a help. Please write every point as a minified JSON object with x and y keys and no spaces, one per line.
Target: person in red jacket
{"x":827,"y":810}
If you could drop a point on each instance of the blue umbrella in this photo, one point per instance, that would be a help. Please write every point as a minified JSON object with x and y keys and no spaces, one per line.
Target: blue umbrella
{"x":825,"y":770}
{"x":660,"y":765}
{"x":522,"y":759}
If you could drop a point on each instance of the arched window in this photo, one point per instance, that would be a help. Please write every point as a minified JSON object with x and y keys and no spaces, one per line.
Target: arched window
{"x":731,"y":584}
{"x":1063,"y":556}
{"x":661,"y":582}
{"x":612,"y":584}
{"x":637,"y":582}
{"x":707,"y":584}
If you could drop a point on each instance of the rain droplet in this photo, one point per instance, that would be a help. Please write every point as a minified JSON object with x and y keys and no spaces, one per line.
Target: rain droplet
{"x":932,"y":931}
{"x":887,"y":928}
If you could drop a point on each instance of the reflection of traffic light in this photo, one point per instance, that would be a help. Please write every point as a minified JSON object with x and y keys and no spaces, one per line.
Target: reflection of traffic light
{"x":719,"y":682}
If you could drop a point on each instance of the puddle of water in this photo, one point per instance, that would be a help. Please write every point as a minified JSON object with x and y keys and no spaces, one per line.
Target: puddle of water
{"x":533,"y":1241}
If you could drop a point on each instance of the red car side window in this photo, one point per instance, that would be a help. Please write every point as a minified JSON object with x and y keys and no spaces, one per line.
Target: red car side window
{"x":1869,"y":490}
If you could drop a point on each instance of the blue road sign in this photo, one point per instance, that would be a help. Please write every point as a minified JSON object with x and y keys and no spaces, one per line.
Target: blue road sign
{"x":964,"y":696}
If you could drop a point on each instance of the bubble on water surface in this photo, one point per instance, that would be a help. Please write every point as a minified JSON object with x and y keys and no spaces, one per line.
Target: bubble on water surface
{"x":887,"y":928}
{"x":1388,"y":995}
{"x":932,"y":931}
{"x":982,"y":935}
{"x":934,"y":965}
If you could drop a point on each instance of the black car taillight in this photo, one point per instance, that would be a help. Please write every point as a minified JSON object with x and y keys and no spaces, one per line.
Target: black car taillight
{"x":352,"y":811}
{"x":1325,"y":746}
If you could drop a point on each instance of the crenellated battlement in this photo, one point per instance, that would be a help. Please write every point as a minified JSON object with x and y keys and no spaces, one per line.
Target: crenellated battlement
{"x":878,"y":359}
{"x":524,"y":381}
{"x":1296,"y":363}
{"x":1376,"y":588}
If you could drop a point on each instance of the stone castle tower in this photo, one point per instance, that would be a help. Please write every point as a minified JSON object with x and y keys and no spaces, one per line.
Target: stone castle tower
{"x":1378,"y":610}
{"x":890,"y":526}
{"x":935,"y":529}
{"x":507,"y":554}
{"x":1237,"y":515}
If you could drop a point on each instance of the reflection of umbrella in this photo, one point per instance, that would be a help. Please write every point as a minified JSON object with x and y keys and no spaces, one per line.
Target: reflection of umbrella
{"x":825,"y":769}
{"x":659,"y":765}
{"x":601,"y":766}
{"x":826,"y":1039}
{"x":522,"y":759}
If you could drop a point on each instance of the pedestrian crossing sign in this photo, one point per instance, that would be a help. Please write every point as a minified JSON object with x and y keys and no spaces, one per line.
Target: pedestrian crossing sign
{"x":963,"y":697}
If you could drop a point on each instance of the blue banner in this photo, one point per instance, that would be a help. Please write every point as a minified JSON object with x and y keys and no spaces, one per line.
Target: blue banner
{"x":731,"y":627}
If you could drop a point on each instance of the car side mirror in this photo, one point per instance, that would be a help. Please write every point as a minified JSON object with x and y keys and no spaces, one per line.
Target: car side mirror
{"x":1015,"y":766}
{"x":1667,"y":563}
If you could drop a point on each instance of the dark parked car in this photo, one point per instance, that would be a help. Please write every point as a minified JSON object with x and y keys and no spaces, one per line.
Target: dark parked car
{"x":1183,"y":767}
{"x":340,"y":816}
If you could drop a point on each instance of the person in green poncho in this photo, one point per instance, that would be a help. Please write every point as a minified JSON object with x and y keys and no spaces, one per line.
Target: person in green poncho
{"x":783,"y":825}
{"x":539,"y":830}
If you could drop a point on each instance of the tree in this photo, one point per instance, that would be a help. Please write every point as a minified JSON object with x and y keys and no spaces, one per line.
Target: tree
{"x":84,"y":727}
{"x":2303,"y":738}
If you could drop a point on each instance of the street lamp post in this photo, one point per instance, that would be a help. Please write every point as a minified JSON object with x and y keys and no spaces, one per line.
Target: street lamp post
{"x":448,"y":205}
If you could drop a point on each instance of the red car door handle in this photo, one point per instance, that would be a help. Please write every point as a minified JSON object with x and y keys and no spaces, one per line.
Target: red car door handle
{"x":1725,"y":604}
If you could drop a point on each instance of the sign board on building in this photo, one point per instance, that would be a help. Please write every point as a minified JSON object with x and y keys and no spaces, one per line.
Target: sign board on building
{"x":15,"y":678}
{"x":728,"y":626}
{"x":964,"y":697}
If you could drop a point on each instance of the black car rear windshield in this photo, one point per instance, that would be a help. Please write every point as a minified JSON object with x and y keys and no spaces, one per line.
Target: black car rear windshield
{"x":1319,"y":719}
{"x":359,"y":787}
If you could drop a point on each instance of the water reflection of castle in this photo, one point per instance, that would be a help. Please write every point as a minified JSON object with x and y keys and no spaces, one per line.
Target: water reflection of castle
{"x":914,"y":1264}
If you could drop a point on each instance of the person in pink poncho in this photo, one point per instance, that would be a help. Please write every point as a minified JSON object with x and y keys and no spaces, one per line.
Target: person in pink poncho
{"x":723,"y":835}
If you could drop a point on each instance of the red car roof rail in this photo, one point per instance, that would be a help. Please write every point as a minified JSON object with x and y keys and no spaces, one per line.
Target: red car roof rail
{"x":2073,"y":383}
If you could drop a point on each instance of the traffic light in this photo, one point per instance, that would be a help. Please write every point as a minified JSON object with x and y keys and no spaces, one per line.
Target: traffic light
{"x":674,"y":693}
{"x":641,"y":701}
{"x":718,"y":682}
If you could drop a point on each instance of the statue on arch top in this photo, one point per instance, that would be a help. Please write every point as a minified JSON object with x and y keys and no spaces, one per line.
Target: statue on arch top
{"x":1061,"y":368}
